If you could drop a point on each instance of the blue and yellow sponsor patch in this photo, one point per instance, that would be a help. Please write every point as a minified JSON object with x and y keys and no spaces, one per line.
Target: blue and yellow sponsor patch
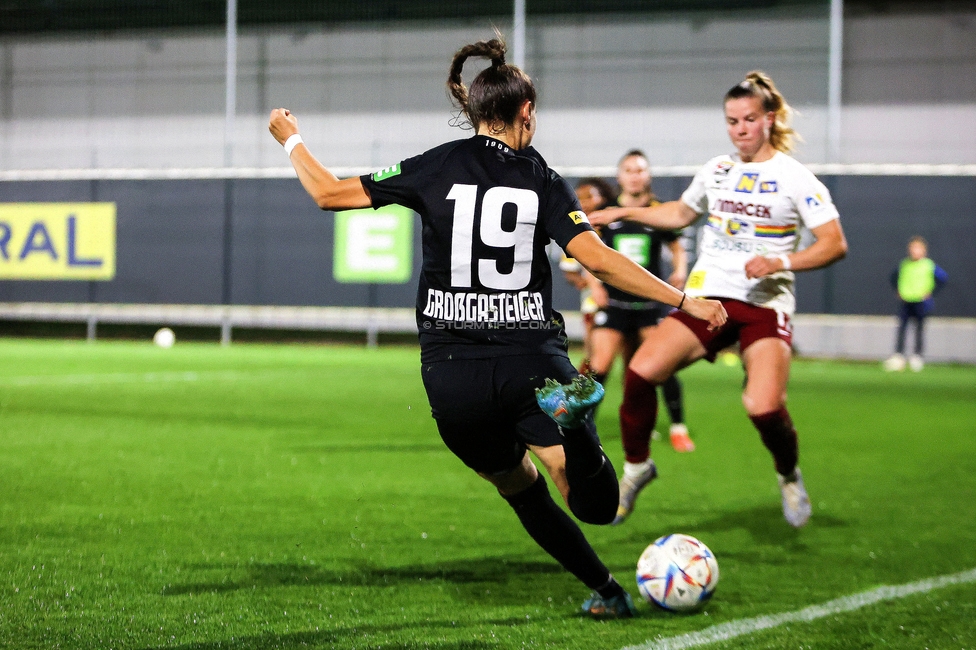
{"x":747,"y":182}
{"x":736,"y":226}
{"x":814,"y":201}
{"x":768,"y":187}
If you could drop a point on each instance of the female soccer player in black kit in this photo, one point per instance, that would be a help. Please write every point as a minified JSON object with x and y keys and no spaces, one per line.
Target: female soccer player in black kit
{"x":489,"y":336}
{"x":623,"y":320}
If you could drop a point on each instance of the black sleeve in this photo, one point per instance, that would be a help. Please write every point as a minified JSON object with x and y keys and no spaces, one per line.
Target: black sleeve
{"x":561,"y":213}
{"x":397,"y":184}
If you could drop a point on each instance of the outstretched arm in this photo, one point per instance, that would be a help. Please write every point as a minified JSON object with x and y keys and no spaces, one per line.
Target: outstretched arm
{"x":614,"y":268}
{"x":328,"y":191}
{"x":672,"y":215}
{"x":679,"y":264}
{"x":831,"y":245}
{"x":598,"y":291}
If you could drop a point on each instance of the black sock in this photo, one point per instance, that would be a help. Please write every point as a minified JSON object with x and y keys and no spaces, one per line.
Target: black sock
{"x":672,"y":399}
{"x":558,"y":534}
{"x":611,"y":590}
{"x":593,"y":488}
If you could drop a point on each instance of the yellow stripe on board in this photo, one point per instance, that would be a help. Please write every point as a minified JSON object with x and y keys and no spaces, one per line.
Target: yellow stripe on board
{"x":57,"y":241}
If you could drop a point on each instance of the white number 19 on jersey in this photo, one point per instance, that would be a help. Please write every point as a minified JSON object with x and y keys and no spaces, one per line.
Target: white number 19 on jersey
{"x":526,"y":204}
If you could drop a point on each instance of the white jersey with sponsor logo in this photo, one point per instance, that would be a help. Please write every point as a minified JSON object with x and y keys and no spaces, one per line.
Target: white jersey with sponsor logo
{"x":753,"y":209}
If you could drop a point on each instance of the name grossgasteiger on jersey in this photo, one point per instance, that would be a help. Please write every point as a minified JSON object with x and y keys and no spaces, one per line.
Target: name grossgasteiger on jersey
{"x":753,"y":209}
{"x":487,"y":213}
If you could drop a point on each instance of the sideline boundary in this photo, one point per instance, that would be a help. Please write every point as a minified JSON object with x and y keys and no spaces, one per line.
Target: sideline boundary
{"x":744,"y":626}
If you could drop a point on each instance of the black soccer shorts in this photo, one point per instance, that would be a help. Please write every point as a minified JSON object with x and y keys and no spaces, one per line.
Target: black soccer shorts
{"x":486,"y":411}
{"x":627,"y":321}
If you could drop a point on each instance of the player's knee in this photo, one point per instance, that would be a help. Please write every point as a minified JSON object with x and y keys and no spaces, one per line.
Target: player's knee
{"x":596,"y":512}
{"x":513,"y":481}
{"x":763,"y":403}
{"x":652,"y":374}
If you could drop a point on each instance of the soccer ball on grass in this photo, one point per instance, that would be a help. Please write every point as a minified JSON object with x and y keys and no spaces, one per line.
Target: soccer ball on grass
{"x":164,"y":337}
{"x":677,"y":572}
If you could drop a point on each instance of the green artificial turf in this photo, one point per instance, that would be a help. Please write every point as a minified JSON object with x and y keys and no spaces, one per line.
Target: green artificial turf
{"x":292,"y":496}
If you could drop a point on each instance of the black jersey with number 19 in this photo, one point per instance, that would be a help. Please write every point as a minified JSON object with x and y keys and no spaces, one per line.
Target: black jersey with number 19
{"x":488,"y":212}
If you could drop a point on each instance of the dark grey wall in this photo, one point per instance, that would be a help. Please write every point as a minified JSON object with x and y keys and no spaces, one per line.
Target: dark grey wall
{"x":171,"y":242}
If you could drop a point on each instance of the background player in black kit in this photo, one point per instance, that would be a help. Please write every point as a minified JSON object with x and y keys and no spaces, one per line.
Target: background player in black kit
{"x":625,"y":320}
{"x":488,"y":334}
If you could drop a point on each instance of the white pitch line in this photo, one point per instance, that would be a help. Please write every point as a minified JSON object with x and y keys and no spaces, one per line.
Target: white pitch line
{"x":745,"y":626}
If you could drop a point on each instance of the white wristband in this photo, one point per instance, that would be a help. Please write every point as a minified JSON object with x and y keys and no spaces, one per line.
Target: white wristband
{"x":786,"y":261}
{"x":293,"y":141}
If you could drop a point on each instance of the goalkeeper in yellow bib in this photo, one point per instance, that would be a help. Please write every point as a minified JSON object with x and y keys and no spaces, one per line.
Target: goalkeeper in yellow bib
{"x":755,"y":201}
{"x":916,"y":280}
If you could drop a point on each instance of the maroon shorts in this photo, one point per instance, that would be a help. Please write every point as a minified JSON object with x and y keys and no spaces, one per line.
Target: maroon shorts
{"x":746,"y":324}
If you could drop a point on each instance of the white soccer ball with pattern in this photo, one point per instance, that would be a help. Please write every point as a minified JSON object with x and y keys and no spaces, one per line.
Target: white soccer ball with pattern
{"x":677,"y":572}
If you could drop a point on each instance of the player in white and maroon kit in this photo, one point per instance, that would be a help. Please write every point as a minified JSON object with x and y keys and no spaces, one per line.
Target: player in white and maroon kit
{"x":489,"y":337}
{"x":755,"y":201}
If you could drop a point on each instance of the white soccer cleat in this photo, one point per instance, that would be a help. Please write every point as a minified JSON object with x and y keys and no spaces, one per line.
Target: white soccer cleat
{"x":895,"y":363}
{"x":915,"y":363}
{"x":796,"y":503}
{"x":631,"y":483}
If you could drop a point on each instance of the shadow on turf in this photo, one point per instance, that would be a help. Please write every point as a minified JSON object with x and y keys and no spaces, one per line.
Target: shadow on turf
{"x":385,"y":447}
{"x":345,"y":637}
{"x":765,"y":524}
{"x":473,"y":578}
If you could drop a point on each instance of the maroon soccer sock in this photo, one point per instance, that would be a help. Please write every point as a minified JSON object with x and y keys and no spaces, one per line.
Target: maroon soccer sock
{"x":779,"y":436}
{"x":638,"y":414}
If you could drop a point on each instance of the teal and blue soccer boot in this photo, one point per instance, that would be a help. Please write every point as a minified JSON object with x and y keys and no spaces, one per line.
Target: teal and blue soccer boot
{"x":622,"y":606}
{"x":570,"y":404}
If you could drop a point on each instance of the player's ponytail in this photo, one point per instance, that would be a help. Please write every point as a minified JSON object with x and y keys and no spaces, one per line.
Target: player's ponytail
{"x":758,"y":84}
{"x":497,"y":93}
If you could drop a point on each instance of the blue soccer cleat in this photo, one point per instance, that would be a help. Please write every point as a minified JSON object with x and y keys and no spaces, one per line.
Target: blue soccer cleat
{"x":622,"y":606}
{"x":570,"y":404}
